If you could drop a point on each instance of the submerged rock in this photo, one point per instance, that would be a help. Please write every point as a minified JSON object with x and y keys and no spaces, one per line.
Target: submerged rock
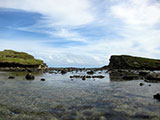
{"x":29,"y":76}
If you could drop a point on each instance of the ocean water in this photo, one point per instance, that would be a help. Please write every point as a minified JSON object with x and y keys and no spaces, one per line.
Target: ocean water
{"x":62,"y":98}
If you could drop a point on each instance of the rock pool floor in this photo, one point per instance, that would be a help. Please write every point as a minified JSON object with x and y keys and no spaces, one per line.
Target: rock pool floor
{"x":62,"y":98}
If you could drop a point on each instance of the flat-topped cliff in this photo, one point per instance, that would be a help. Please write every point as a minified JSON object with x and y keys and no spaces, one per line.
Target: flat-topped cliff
{"x":14,"y":59}
{"x":132,"y":62}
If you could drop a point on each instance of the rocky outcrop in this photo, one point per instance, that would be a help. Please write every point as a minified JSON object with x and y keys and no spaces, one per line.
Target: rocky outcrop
{"x":153,"y":77}
{"x":131,"y":62}
{"x":12,"y":60}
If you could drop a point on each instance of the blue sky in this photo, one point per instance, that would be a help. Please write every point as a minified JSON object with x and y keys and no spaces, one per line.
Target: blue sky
{"x":80,"y":33}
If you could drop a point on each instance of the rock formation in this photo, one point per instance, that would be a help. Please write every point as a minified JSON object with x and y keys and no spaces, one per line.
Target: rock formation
{"x":10,"y":59}
{"x":131,"y":62}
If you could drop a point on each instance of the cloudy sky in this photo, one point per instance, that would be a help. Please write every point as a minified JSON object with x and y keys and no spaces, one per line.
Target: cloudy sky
{"x":82,"y":33}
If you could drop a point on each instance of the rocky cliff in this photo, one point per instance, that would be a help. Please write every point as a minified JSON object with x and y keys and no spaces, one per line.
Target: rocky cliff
{"x":132,"y":62}
{"x":13,"y":59}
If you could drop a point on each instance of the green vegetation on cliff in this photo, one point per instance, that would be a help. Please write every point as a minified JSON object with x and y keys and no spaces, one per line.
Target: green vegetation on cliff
{"x":132,"y":62}
{"x":22,"y":58}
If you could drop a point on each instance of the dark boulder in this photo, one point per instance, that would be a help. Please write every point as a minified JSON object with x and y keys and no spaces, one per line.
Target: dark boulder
{"x":11,"y":77}
{"x":83,"y":78}
{"x":98,"y":76}
{"x":29,"y":76}
{"x":141,"y":84}
{"x":157,"y":96}
{"x":42,"y":79}
{"x":63,"y":72}
{"x":90,"y":72}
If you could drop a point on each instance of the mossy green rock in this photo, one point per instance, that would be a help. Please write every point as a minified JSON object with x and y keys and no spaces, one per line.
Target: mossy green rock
{"x":132,"y":62}
{"x":10,"y":58}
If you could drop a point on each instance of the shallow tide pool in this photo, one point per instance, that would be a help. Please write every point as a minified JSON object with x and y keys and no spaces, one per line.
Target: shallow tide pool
{"x":62,"y":98}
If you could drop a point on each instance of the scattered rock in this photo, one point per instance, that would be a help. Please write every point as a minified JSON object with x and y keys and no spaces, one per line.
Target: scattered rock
{"x":63,"y":72}
{"x":90,"y":72}
{"x":29,"y":76}
{"x":98,"y":76}
{"x":99,"y":72}
{"x":149,"y":85}
{"x":42,"y":79}
{"x":76,"y":76}
{"x":157,"y":96}
{"x":141,"y":84}
{"x":130,"y":77}
{"x":11,"y":77}
{"x":83,"y":78}
{"x":88,"y":76}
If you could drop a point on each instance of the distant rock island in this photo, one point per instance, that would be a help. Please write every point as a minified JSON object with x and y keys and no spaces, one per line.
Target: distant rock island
{"x":10,"y":59}
{"x":13,"y":60}
{"x":132,"y":62}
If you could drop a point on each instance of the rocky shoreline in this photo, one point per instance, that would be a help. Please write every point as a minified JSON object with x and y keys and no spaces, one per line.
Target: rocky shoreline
{"x":120,"y":68}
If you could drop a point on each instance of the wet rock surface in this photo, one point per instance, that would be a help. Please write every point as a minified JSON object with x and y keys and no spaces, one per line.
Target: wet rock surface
{"x":29,"y":76}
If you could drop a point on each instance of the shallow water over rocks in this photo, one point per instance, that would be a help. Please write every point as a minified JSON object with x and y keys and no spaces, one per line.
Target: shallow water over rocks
{"x":61,"y":98}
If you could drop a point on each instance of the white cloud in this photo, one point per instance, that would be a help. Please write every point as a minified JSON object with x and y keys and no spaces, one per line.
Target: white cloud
{"x":139,"y":19}
{"x":62,"y":12}
{"x":137,"y":12}
{"x":140,"y":37}
{"x":67,"y":35}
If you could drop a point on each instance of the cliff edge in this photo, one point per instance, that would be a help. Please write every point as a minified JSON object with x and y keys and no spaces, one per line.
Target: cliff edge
{"x":13,"y":59}
{"x":132,"y":62}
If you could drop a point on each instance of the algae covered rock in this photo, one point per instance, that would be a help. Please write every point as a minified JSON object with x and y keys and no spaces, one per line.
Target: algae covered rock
{"x":10,"y":58}
{"x":29,"y":76}
{"x":132,"y":62}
